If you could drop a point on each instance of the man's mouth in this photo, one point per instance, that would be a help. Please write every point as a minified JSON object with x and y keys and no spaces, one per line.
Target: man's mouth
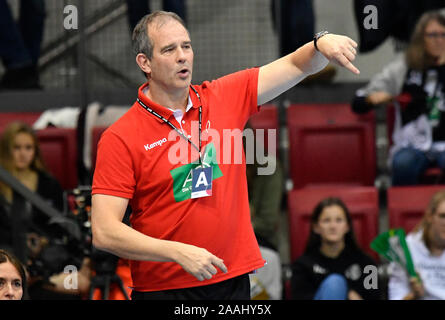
{"x":184,"y":72}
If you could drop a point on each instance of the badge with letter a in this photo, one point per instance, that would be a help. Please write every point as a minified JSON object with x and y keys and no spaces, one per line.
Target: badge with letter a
{"x":201,"y":182}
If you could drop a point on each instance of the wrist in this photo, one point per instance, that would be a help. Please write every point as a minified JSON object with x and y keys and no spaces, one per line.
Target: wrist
{"x":174,"y":250}
{"x":318,"y":36}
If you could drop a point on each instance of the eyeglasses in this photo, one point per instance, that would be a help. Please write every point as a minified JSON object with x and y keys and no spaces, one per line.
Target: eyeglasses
{"x":435,"y":35}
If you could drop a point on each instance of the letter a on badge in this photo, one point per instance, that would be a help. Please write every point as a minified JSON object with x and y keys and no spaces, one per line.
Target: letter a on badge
{"x":201,"y":179}
{"x":201,"y":182}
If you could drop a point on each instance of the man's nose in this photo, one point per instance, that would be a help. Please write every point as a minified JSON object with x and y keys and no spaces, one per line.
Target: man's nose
{"x":181,"y":57}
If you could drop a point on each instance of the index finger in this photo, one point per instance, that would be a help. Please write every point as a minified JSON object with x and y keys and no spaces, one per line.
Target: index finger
{"x":220,"y":264}
{"x":347,"y":64}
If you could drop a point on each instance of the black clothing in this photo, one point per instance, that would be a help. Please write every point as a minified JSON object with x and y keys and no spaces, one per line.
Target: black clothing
{"x":33,"y":220}
{"x":50,"y":190}
{"x":237,"y":288}
{"x":312,"y":268}
{"x":396,"y":18}
{"x":416,"y":101}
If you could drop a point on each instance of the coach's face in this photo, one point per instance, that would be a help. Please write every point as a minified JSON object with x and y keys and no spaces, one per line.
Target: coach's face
{"x":171,"y":65}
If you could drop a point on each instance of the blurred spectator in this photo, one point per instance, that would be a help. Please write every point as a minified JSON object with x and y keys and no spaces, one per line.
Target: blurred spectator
{"x":20,"y":155}
{"x":296,"y":23}
{"x":427,"y":246}
{"x":20,"y":44}
{"x":265,"y":195}
{"x":12,"y":277}
{"x":414,"y":83}
{"x":137,"y":9}
{"x":332,"y":266}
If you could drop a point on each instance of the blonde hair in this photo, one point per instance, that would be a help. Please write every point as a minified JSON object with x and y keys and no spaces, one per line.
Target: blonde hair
{"x":7,"y":145}
{"x":416,"y":56}
{"x":431,"y":209}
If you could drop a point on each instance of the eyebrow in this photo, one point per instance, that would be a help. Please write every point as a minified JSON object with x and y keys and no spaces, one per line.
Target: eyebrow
{"x":13,"y":279}
{"x":173,"y":44}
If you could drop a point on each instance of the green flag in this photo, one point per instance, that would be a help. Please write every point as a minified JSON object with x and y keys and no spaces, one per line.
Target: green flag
{"x":392,"y":245}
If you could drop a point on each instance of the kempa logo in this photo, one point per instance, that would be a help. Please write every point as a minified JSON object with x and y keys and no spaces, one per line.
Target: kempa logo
{"x":155,"y":144}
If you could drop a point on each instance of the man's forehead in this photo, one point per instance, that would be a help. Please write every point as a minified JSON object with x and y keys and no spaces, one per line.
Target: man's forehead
{"x":159,"y":23}
{"x":167,"y":33}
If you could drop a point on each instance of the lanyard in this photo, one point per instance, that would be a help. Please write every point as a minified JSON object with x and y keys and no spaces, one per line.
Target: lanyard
{"x":176,"y":129}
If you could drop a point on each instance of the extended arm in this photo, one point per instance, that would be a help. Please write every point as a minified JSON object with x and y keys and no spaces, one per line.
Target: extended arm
{"x":284,"y":73}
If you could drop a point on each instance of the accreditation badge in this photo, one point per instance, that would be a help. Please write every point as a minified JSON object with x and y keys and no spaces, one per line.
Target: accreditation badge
{"x":201,"y":182}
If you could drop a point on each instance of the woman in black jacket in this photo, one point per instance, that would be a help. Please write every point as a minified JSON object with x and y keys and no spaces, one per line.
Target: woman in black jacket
{"x":20,"y":155}
{"x":332,"y":266}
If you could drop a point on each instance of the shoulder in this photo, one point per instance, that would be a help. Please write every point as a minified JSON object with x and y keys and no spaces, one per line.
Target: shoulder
{"x":126,"y":122}
{"x":307,"y":259}
{"x":360,"y":256}
{"x":395,"y":69}
{"x":397,"y":64}
{"x":366,"y":259}
{"x":415,"y":242}
{"x":125,"y":129}
{"x":48,"y":185}
{"x":233,"y":78}
{"x":46,"y":178}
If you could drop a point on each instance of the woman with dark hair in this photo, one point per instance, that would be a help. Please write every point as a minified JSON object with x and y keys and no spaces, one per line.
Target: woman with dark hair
{"x":427,"y":246}
{"x":12,"y":277}
{"x":415,"y":84}
{"x":332,"y":266}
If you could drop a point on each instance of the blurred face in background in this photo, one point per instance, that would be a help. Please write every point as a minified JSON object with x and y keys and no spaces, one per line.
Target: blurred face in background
{"x":332,"y":225}
{"x":435,"y":38}
{"x":11,"y":287}
{"x":23,"y":151}
{"x":437,"y":225}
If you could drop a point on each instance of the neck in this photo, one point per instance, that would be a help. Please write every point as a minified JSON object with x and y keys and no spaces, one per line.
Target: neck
{"x":436,"y":246}
{"x":20,"y":173}
{"x":441,"y":60}
{"x":176,"y":100}
{"x":332,"y":250}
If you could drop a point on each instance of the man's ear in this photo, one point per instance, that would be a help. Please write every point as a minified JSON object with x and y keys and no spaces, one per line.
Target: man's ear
{"x":144,"y":63}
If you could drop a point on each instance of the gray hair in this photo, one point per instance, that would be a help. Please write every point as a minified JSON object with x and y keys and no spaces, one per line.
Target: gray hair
{"x":142,"y":43}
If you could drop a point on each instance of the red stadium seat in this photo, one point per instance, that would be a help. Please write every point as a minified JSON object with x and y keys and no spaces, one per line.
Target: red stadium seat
{"x":362,"y":203}
{"x":266,"y":119}
{"x":26,"y":117}
{"x":95,"y":137}
{"x":59,"y":151}
{"x":331,"y":145}
{"x":407,"y":205}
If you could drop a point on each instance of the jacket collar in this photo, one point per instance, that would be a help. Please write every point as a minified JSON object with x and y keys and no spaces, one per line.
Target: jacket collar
{"x":163,"y":111}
